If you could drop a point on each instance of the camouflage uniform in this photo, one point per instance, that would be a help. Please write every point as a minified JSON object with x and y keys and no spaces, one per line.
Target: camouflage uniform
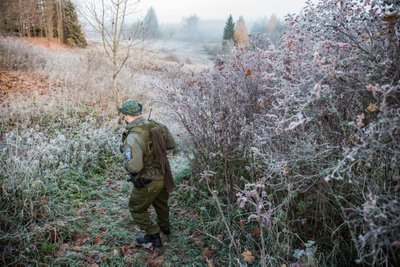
{"x":139,"y":162}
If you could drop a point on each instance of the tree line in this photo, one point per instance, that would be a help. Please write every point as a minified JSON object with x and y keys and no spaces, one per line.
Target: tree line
{"x":42,"y":18}
{"x":239,"y":35}
{"x":193,"y":28}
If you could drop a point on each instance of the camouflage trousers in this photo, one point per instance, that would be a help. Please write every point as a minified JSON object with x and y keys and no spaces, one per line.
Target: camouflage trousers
{"x":154,"y":194}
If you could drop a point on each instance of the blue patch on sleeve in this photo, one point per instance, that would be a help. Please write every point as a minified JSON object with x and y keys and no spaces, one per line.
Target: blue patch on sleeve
{"x":128,"y":153}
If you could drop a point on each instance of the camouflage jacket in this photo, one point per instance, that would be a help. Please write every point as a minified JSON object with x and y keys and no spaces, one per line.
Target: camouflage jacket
{"x":138,"y":150}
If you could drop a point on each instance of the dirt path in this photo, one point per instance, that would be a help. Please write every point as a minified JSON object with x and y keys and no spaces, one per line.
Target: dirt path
{"x":111,"y":232}
{"x":107,"y":233}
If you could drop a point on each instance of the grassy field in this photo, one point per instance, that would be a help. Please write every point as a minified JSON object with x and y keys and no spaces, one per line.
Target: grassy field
{"x":63,"y":192}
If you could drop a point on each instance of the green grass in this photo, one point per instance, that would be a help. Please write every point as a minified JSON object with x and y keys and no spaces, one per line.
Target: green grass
{"x":87,"y":220}
{"x":102,"y":200}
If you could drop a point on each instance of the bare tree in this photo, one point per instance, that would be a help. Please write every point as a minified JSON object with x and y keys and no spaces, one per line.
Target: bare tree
{"x":108,"y":18}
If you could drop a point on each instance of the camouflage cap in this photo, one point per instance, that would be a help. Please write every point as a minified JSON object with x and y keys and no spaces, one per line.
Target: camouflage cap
{"x":131,"y":107}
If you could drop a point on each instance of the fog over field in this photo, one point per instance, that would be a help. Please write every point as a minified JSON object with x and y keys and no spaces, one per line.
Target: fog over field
{"x":173,"y":11}
{"x":211,"y":15}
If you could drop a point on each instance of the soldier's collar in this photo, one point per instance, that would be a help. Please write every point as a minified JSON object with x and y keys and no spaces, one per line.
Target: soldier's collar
{"x":135,"y":123}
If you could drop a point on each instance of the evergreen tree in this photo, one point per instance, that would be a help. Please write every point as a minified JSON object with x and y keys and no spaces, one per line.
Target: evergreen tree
{"x":150,"y":24}
{"x":191,"y":24}
{"x":73,"y":34}
{"x":229,"y":29}
{"x":191,"y":28}
{"x":44,"y":18}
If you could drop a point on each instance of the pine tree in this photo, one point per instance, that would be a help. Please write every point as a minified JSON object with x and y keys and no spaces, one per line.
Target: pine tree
{"x":150,"y":24}
{"x":229,"y":29}
{"x":44,"y":18}
{"x":191,"y":27}
{"x":73,"y":34}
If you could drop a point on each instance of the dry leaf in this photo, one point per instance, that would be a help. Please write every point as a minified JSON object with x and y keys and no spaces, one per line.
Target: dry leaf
{"x":256,"y":232}
{"x":392,"y":18}
{"x":81,"y":238}
{"x":220,"y":238}
{"x":59,"y":254}
{"x":98,"y":240}
{"x":372,"y":107}
{"x":125,"y":250}
{"x":76,"y":248}
{"x":248,"y":73}
{"x":155,"y":261}
{"x":79,"y":213}
{"x":248,"y":257}
{"x":366,"y":37}
{"x":206,"y":253}
{"x":285,"y":170}
{"x":196,"y":233}
{"x":93,"y":257}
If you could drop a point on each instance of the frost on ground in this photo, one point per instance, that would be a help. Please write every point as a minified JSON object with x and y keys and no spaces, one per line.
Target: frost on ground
{"x":62,"y":182}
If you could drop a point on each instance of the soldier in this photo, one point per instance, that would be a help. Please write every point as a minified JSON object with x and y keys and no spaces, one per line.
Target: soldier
{"x":144,"y":145}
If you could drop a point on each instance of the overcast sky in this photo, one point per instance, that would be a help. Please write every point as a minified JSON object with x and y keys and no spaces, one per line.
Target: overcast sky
{"x":172,"y":11}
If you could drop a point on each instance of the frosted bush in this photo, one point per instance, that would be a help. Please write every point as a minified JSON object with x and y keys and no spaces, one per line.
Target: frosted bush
{"x":35,"y":162}
{"x":31,"y":153}
{"x":319,"y":116}
{"x":41,"y":167}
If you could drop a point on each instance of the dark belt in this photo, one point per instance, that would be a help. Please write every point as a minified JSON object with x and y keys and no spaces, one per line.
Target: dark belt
{"x":138,"y":182}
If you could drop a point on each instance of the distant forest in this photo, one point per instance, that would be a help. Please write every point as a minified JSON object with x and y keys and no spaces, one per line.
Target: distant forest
{"x":42,"y":18}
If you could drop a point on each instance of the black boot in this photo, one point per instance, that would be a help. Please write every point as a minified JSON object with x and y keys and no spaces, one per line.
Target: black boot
{"x":166,"y":232}
{"x":154,"y":239}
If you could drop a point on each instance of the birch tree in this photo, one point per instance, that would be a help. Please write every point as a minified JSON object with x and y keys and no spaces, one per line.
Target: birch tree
{"x":108,"y":18}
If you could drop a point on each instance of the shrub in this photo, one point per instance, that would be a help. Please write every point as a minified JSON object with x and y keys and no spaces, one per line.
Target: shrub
{"x":314,"y":122}
{"x":42,"y":177}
